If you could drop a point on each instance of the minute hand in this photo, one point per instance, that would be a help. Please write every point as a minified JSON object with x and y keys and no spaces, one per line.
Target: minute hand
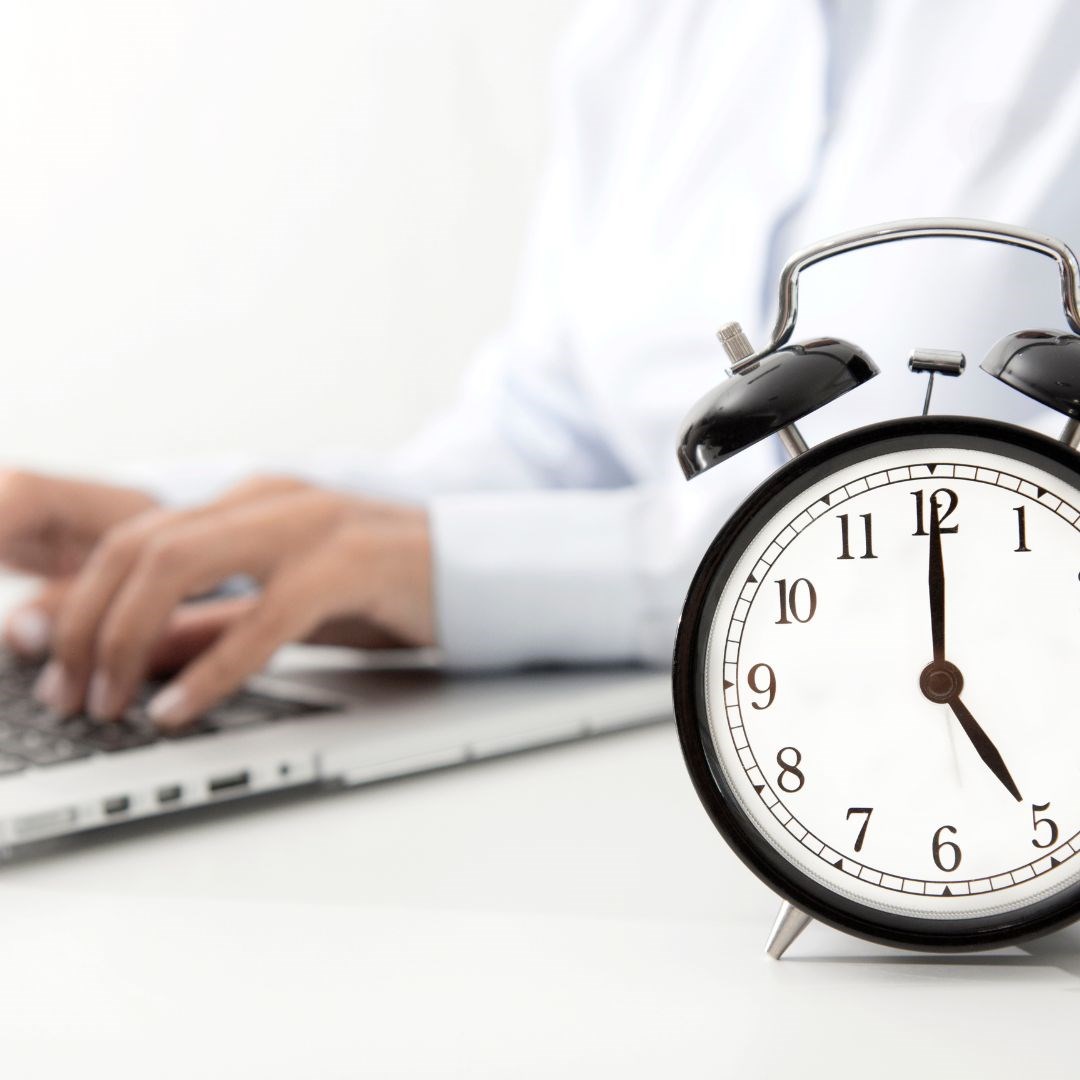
{"x":936,"y":578}
{"x":983,"y":746}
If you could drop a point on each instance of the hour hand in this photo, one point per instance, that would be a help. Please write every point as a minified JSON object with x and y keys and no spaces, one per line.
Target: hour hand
{"x":983,"y":746}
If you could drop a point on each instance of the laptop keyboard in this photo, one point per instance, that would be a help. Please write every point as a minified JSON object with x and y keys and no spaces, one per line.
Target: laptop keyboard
{"x":30,"y":736}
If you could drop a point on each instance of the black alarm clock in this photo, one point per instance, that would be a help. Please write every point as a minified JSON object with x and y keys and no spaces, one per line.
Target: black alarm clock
{"x":875,"y":675}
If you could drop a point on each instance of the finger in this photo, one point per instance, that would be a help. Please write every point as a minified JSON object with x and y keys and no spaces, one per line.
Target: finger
{"x":28,"y":628}
{"x":287,"y":611}
{"x":63,"y":683}
{"x":192,"y":628}
{"x":188,"y":557}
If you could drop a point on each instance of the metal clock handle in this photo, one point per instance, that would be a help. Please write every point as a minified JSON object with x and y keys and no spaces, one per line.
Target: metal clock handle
{"x":914,"y":228}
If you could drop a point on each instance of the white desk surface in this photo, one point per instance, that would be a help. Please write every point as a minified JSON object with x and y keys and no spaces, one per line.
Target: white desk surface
{"x":566,"y":913}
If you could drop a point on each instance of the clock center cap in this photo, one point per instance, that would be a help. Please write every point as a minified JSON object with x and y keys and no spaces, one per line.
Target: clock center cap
{"x":941,"y":682}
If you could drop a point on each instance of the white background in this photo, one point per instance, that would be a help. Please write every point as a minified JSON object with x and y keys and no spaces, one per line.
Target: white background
{"x":256,"y":226}
{"x":260,"y":226}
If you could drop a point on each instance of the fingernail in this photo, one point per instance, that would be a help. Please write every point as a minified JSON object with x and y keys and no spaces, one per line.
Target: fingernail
{"x":52,"y":684}
{"x":167,"y":705}
{"x":97,"y":696}
{"x":30,"y":630}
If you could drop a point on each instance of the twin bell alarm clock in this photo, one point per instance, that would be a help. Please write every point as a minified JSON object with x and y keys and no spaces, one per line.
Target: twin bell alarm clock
{"x":875,"y":675}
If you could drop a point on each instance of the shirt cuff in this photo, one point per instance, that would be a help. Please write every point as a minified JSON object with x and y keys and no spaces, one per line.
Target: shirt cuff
{"x":534,"y":577}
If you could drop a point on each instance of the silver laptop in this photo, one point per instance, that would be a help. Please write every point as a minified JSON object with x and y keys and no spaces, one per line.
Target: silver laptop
{"x":319,"y":717}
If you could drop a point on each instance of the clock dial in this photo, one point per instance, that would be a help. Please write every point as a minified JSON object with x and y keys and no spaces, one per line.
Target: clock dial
{"x":889,"y":681}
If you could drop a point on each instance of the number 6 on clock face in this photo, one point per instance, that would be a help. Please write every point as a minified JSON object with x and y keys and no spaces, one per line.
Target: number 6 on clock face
{"x":875,"y":682}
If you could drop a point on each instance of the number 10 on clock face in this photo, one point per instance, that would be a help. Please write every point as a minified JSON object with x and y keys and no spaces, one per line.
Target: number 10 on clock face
{"x":889,"y":680}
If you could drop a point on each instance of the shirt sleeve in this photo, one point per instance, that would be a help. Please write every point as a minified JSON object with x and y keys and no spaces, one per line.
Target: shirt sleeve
{"x":575,"y":576}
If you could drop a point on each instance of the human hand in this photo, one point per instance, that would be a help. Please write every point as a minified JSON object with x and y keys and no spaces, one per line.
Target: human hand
{"x":330,"y":566}
{"x":48,"y":527}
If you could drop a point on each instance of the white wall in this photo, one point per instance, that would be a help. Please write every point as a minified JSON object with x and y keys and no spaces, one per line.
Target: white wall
{"x":252,"y":225}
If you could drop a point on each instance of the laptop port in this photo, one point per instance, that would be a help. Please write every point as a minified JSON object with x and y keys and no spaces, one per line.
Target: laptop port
{"x":119,"y":804}
{"x":230,"y":782}
{"x":172,"y":793}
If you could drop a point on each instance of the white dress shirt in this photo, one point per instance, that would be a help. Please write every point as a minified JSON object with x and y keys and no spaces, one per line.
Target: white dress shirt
{"x":696,"y":144}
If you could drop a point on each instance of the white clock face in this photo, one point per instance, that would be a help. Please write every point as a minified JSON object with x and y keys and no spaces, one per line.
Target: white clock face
{"x":927,"y":770}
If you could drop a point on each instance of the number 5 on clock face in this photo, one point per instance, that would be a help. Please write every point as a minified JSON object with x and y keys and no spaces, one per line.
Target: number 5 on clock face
{"x":889,"y":682}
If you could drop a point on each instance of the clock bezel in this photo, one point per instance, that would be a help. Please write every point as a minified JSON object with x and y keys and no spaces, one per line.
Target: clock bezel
{"x":688,"y":676}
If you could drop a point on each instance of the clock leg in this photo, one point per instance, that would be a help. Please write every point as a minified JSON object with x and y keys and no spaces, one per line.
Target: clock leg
{"x":790,"y":923}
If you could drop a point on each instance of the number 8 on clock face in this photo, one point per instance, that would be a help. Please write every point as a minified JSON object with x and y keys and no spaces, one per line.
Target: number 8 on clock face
{"x":875,"y":682}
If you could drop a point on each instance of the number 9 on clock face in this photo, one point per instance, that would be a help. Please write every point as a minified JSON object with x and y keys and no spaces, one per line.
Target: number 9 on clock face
{"x":875,"y":682}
